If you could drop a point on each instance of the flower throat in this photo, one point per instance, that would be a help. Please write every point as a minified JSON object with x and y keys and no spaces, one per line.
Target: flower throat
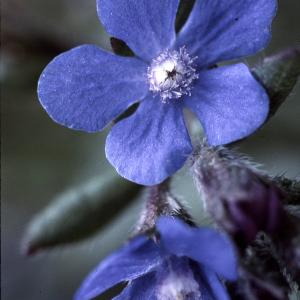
{"x":171,"y":74}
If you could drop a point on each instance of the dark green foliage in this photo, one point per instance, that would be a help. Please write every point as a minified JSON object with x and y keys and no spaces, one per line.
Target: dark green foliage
{"x":79,"y":212}
{"x":279,"y":74}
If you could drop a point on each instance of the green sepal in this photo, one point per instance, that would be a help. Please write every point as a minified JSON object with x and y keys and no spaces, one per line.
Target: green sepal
{"x":79,"y":212}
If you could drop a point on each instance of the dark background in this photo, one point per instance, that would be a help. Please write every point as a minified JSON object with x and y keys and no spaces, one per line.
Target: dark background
{"x":40,"y":158}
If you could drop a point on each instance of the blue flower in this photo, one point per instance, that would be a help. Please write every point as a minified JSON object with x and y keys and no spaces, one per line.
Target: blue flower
{"x":184,"y":264}
{"x":86,"y":88}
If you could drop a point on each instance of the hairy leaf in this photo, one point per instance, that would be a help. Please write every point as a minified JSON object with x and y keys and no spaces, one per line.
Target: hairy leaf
{"x":79,"y":212}
{"x":279,"y":74}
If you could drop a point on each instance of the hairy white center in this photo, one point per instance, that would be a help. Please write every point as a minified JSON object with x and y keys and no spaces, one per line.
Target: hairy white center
{"x":171,"y":74}
{"x":160,"y":73}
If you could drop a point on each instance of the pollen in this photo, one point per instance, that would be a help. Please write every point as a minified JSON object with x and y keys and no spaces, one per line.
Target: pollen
{"x":171,"y":74}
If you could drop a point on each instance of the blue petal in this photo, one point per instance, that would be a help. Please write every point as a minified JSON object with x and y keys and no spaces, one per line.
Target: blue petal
{"x":204,"y":245}
{"x":229,"y":103}
{"x":147,"y":27}
{"x":150,"y":145}
{"x":142,"y":288}
{"x":219,"y":30}
{"x":215,"y":285}
{"x":86,"y":87}
{"x":133,"y":260}
{"x":204,"y":286}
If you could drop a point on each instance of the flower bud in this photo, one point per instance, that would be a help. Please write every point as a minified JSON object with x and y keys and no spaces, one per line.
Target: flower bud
{"x":237,"y":195}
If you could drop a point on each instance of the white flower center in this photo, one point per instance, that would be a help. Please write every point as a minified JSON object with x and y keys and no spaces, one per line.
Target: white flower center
{"x":178,"y":286}
{"x":171,"y":74}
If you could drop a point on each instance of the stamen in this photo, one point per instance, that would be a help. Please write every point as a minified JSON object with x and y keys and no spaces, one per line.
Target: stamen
{"x":171,"y":74}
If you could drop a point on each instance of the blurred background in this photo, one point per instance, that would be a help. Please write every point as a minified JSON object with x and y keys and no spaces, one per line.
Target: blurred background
{"x":40,"y":159}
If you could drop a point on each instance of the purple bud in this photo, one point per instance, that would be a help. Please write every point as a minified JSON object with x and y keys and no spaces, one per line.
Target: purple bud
{"x":260,"y":210}
{"x":237,"y":195}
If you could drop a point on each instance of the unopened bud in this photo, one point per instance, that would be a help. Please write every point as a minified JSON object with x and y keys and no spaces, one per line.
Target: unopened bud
{"x":237,"y":195}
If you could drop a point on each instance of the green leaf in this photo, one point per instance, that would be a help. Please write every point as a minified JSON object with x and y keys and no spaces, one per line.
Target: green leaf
{"x":79,"y":212}
{"x":279,"y":74}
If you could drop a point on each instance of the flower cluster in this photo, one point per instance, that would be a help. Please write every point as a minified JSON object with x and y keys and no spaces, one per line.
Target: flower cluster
{"x":86,"y":88}
{"x":182,"y":263}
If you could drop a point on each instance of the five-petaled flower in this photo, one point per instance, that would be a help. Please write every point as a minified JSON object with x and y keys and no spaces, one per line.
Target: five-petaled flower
{"x":185,"y":263}
{"x":86,"y":87}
